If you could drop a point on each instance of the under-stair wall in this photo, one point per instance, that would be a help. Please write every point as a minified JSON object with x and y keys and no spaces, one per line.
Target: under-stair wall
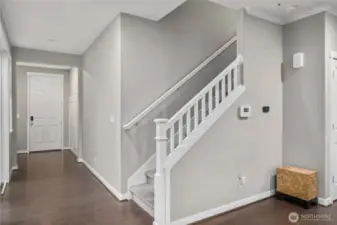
{"x":157,"y":55}
{"x":206,"y":180}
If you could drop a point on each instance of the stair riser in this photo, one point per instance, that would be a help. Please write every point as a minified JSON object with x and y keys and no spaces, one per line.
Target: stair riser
{"x":149,"y":180}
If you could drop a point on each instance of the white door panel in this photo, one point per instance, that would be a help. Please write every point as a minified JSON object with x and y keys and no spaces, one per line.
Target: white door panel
{"x":45,"y":104}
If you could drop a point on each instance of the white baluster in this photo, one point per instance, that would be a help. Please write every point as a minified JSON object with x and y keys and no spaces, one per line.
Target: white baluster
{"x":223,"y":90}
{"x":196,"y":115}
{"x":235,"y":77}
{"x":216,"y":89}
{"x":240,"y":70}
{"x":180,"y":130}
{"x":172,"y":139}
{"x":188,"y":121}
{"x":210,"y":101}
{"x":159,"y":180}
{"x":229,"y":77}
{"x":203,"y":108}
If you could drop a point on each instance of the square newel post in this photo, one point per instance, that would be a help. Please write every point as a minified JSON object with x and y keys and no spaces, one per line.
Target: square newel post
{"x":159,"y":179}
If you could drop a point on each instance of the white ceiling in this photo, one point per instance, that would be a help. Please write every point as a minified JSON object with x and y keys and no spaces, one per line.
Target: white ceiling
{"x":279,"y":11}
{"x":70,"y":26}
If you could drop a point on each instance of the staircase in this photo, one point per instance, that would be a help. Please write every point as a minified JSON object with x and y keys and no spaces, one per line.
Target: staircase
{"x":143,"y":194}
{"x":177,"y":135}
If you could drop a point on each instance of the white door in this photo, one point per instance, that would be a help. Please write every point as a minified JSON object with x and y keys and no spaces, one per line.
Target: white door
{"x":45,"y":111}
{"x":333,"y":91}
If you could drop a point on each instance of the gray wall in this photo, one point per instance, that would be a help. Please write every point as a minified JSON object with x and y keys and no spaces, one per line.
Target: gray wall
{"x":45,"y":57}
{"x":303,"y":96}
{"x":156,"y":55}
{"x":21,"y":104}
{"x":233,"y":147}
{"x":101,"y":101}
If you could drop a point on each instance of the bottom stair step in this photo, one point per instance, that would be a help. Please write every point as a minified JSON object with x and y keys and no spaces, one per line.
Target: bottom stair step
{"x":143,"y":195}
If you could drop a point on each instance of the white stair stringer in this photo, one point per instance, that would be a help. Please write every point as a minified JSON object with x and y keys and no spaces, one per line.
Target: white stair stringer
{"x":194,"y":136}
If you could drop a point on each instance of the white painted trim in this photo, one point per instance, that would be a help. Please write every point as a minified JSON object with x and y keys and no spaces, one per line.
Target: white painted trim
{"x":4,"y":185}
{"x":177,"y":86}
{"x":42,"y":65}
{"x":222,"y":209}
{"x":142,"y":205}
{"x":139,"y":176}
{"x":180,"y":151}
{"x":29,"y":75}
{"x":3,"y":37}
{"x":109,"y":187}
{"x":15,"y":167}
{"x":67,"y":148}
{"x":325,"y":201}
{"x":263,"y":15}
{"x":5,"y":97}
{"x":298,"y":16}
{"x":329,"y":156}
{"x":74,"y":98}
{"x":80,"y":160}
{"x":22,"y":151}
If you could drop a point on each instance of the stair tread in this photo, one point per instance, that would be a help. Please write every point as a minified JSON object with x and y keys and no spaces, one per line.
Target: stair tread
{"x":150,"y":173}
{"x":145,"y":192}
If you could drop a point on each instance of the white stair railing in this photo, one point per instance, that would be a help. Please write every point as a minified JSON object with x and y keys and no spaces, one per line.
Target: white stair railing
{"x":174,"y":135}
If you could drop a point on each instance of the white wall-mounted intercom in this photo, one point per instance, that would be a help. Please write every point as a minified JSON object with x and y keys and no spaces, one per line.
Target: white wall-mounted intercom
{"x":298,"y":60}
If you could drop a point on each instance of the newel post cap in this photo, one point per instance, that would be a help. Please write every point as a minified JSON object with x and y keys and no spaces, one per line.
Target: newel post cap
{"x":161,"y":121}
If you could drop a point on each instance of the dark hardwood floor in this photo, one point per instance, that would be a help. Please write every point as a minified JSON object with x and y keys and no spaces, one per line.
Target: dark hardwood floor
{"x":52,"y":189}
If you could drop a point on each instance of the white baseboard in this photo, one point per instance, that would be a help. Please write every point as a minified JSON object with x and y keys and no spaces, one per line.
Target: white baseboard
{"x":15,"y":167}
{"x":3,"y":189}
{"x":80,"y":160}
{"x":325,"y":201}
{"x":222,"y":209}
{"x":117,"y":194}
{"x":139,"y":176}
{"x":67,"y":147}
{"x":22,"y":151}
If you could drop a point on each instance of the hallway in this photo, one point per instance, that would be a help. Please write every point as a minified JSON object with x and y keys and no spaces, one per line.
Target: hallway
{"x":52,"y":189}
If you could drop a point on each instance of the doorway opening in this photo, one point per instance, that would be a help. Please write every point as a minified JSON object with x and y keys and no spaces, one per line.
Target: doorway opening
{"x":47,"y":105}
